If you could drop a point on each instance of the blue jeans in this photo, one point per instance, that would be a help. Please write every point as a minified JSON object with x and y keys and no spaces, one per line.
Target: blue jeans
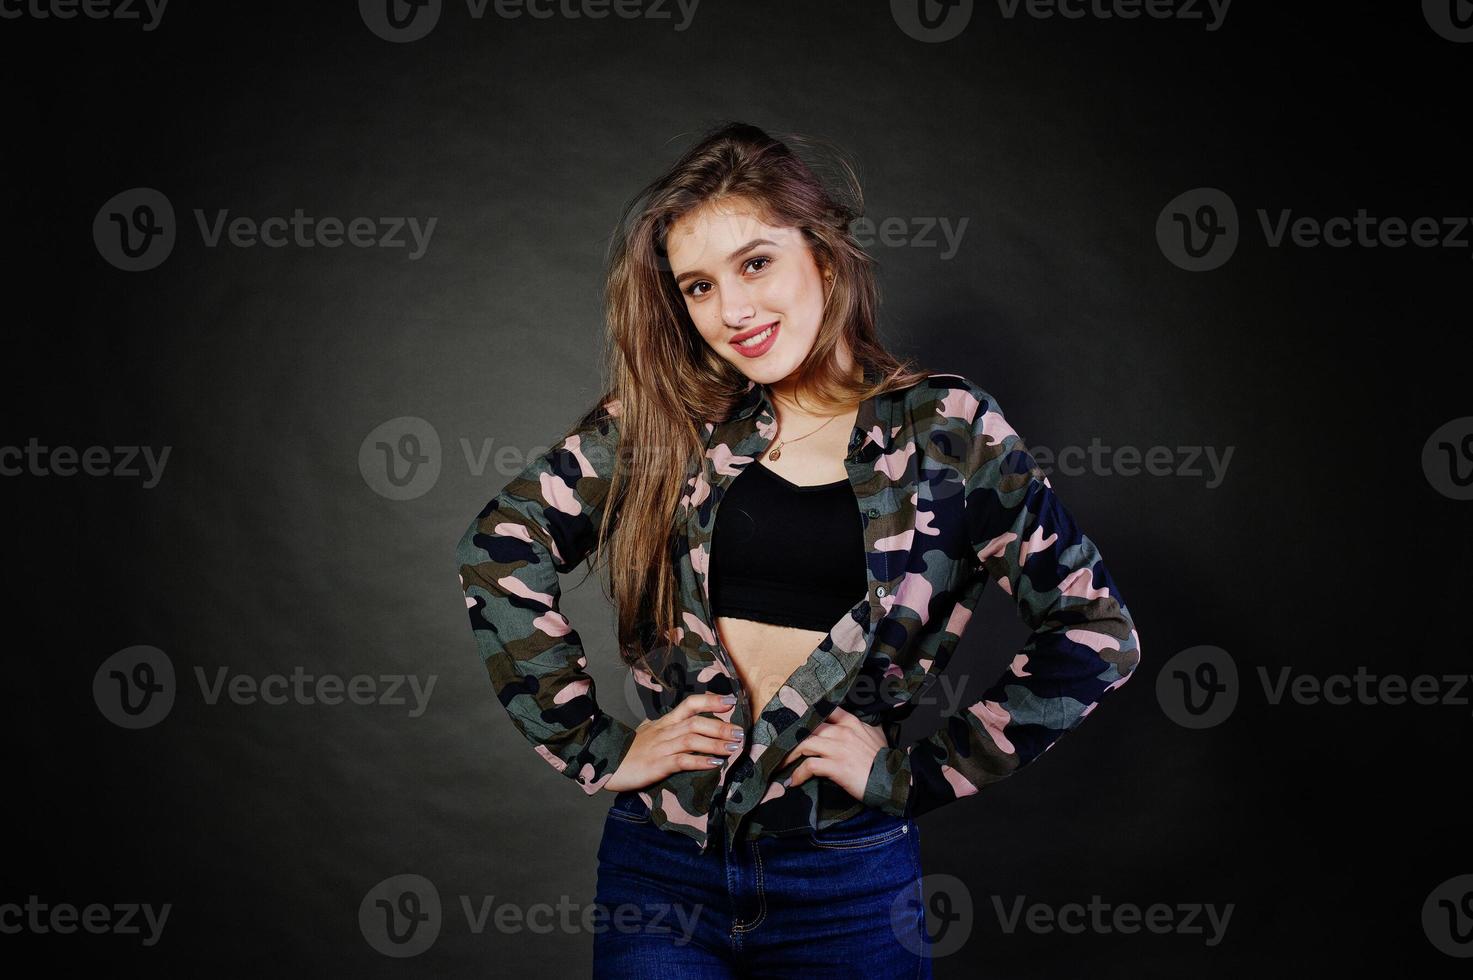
{"x":842,"y":902}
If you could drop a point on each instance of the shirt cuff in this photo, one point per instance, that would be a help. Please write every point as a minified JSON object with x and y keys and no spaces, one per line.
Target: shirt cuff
{"x":606,"y":750}
{"x":888,"y":786}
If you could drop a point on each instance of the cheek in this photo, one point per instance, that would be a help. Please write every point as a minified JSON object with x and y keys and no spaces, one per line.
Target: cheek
{"x":708,"y":326}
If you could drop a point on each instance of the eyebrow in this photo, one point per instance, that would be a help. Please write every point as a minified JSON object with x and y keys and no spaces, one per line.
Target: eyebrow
{"x":735,"y":254}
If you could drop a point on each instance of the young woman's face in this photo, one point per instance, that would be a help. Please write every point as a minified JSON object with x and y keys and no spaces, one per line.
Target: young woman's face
{"x":741,"y":278}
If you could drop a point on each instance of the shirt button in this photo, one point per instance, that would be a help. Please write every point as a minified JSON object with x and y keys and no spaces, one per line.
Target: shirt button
{"x":874,"y":512}
{"x":880,"y":591}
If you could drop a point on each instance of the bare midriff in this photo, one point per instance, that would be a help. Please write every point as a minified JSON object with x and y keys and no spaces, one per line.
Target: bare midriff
{"x":765,"y":654}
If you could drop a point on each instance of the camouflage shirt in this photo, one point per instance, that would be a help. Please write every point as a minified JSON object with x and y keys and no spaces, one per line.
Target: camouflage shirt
{"x":948,"y":496}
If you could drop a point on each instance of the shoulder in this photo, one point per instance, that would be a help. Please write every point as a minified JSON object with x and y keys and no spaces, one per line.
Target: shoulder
{"x":598,"y":426}
{"x":949,"y":396}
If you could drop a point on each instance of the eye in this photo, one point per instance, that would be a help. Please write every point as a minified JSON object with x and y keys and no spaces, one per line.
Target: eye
{"x":691,"y":290}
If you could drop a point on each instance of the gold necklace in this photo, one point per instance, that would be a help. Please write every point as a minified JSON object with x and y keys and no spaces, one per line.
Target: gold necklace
{"x":776,"y":452}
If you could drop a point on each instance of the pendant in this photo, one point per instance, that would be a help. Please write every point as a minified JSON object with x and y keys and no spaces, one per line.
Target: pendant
{"x":776,"y":452}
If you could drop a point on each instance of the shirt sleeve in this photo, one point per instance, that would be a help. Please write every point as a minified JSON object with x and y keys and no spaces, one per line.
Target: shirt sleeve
{"x":542,"y":524}
{"x":1083,"y":642}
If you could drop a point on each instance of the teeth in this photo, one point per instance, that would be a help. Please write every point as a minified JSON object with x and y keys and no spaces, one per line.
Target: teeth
{"x":754,"y":341}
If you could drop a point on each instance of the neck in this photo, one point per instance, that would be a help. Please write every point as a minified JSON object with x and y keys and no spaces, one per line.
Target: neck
{"x":784,"y":395}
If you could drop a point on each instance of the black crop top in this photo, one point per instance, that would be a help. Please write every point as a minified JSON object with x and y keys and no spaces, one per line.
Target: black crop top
{"x":787,"y":554}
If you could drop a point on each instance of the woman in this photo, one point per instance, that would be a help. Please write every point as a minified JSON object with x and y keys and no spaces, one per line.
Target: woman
{"x":860,"y":505}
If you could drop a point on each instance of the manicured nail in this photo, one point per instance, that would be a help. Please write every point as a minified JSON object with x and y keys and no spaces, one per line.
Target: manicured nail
{"x":733,"y":746}
{"x":716,"y":760}
{"x":728,"y":699}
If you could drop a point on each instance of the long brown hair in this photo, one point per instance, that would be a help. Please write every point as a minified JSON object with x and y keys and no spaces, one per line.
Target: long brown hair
{"x":667,"y":380}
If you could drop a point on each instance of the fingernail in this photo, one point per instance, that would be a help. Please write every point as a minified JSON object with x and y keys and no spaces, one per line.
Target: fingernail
{"x":716,"y":760}
{"x":733,"y":746}
{"x":728,"y":699}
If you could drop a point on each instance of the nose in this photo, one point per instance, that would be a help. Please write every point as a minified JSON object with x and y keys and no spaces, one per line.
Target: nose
{"x":736,"y":308}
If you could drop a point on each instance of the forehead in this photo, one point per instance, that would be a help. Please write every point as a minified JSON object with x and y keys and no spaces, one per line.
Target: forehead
{"x":713,"y":230}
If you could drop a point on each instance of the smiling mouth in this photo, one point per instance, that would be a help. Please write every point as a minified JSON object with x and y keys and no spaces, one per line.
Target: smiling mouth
{"x":756,"y":338}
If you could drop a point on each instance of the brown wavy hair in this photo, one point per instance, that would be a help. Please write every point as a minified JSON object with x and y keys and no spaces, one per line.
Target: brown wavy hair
{"x":667,"y":380}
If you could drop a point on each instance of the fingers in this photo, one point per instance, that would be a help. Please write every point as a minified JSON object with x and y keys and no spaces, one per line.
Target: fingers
{"x":818,"y":743}
{"x":814,"y":766}
{"x":841,"y":717}
{"x":697,"y":703}
{"x":691,"y":741}
{"x":698,"y":742}
{"x":714,"y":727}
{"x":692,"y":761}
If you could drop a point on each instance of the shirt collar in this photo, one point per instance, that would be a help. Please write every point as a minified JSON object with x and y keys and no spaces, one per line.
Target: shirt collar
{"x":872,"y":426}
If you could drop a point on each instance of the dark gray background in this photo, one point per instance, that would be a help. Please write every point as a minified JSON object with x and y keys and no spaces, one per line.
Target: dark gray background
{"x":263,"y":549}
